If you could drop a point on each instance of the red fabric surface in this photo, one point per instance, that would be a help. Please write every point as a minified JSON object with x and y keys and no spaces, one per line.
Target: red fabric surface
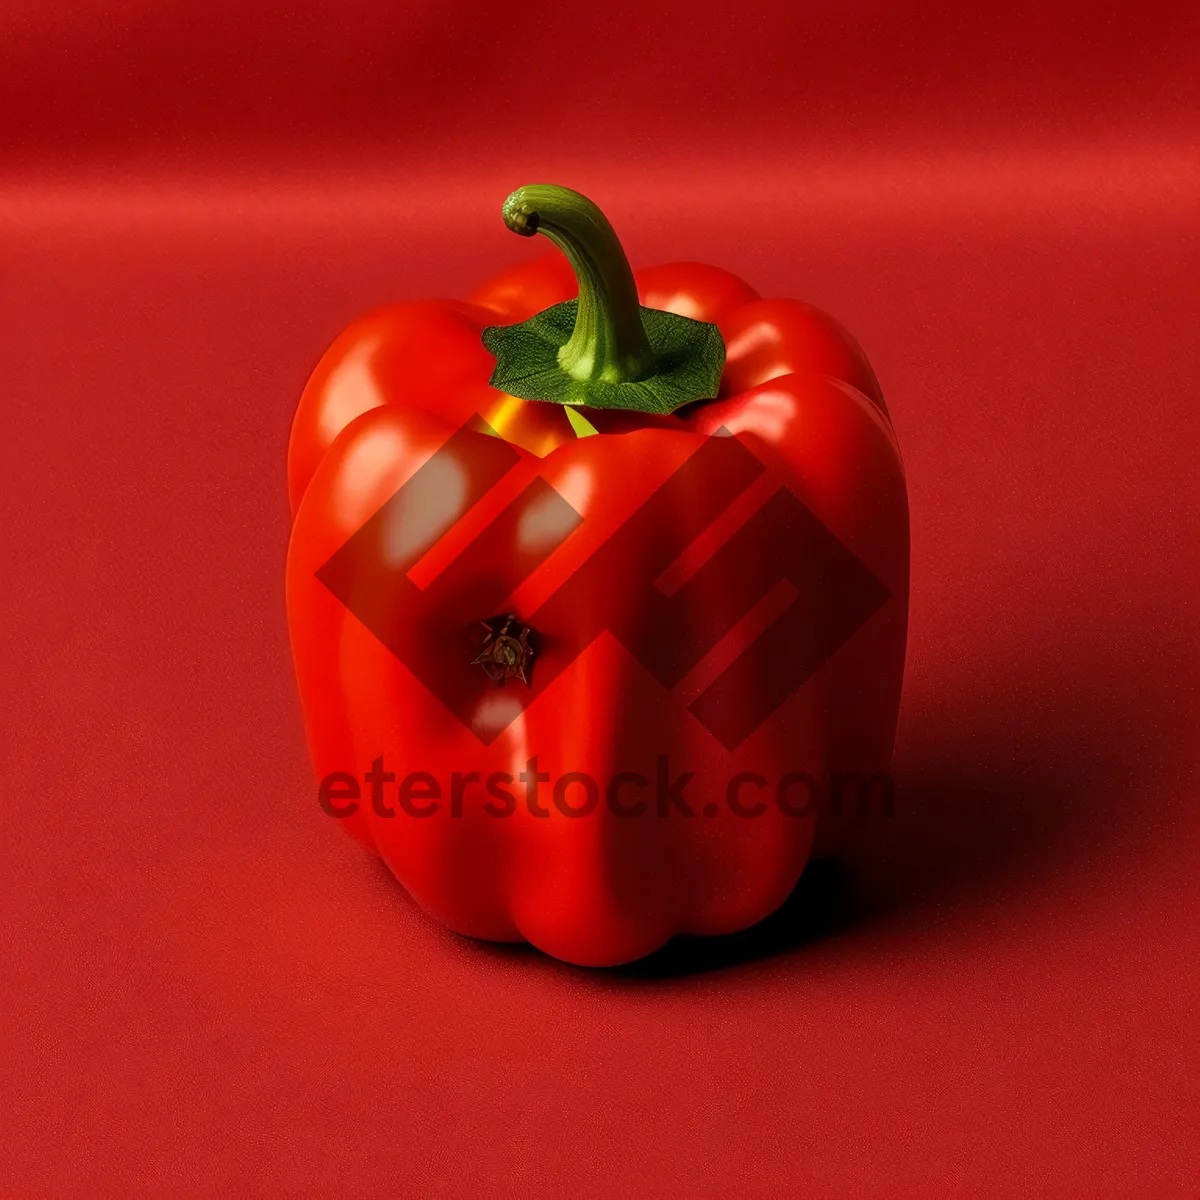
{"x":208,"y":990}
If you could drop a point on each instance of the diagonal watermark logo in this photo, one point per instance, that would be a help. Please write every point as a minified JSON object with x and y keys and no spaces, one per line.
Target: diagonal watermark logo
{"x":831,"y":594}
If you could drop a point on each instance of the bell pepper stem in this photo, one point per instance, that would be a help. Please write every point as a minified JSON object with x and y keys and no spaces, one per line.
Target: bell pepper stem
{"x":609,"y":342}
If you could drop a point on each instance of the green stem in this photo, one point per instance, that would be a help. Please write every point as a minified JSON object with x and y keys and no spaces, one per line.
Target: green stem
{"x":609,"y":342}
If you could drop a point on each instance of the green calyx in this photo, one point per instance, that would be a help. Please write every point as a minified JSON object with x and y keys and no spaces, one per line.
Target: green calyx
{"x":603,"y":350}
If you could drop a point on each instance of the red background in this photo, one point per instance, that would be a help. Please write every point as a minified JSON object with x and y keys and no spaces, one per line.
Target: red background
{"x":208,"y":990}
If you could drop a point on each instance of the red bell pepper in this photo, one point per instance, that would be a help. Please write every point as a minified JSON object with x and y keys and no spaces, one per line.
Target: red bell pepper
{"x":581,"y":672}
